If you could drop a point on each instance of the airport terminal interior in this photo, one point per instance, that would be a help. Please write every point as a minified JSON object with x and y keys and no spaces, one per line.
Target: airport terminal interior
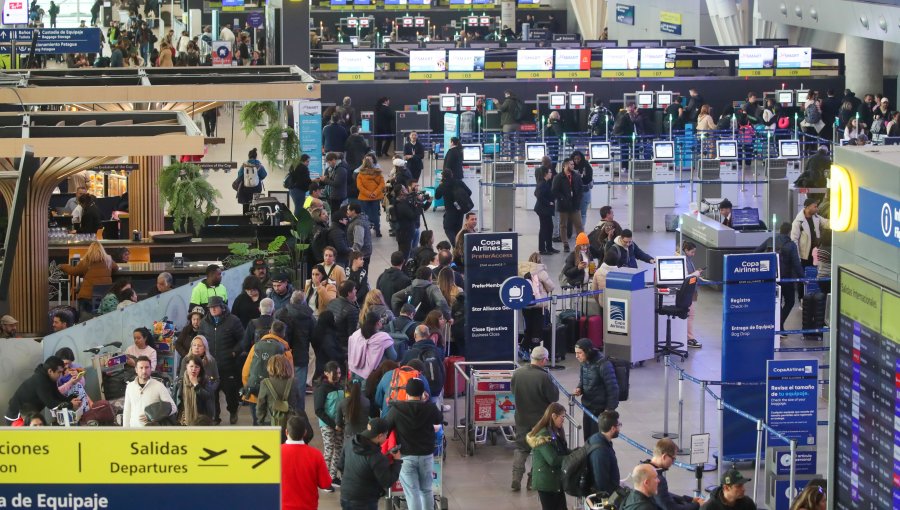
{"x":705,"y":192}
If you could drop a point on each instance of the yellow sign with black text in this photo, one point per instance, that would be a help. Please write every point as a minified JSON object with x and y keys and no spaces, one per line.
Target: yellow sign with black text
{"x":356,"y":76}
{"x":437,"y":75}
{"x":619,"y":74}
{"x":466,"y":75}
{"x":533,"y":75}
{"x":146,"y":456}
{"x":657,"y":73}
{"x":573,"y":74}
{"x":755,"y":72}
{"x":792,"y":72}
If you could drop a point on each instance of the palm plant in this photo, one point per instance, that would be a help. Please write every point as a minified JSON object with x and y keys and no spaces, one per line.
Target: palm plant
{"x":190,"y":198}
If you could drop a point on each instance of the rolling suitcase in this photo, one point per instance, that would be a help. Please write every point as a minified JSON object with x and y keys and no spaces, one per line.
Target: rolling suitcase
{"x":450,"y":374}
{"x":814,"y":314}
{"x":595,"y":331}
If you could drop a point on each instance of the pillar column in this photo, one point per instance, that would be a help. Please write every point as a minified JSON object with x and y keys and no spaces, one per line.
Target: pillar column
{"x":28,"y":286}
{"x":294,"y":34}
{"x":144,"y":212}
{"x":864,"y":60}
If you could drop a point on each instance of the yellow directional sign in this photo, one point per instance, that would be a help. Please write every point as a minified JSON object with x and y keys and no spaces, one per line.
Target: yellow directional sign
{"x":143,"y":456}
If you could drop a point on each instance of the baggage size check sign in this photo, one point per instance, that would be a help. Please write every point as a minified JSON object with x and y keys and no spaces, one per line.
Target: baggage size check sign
{"x":110,"y":468}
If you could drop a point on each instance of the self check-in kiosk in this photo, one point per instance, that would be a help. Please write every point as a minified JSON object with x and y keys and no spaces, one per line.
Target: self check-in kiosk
{"x":573,"y":108}
{"x":724,"y":168}
{"x":662,"y":196}
{"x":782,"y":170}
{"x":671,"y":270}
{"x":534,"y":153}
{"x":600,"y":157}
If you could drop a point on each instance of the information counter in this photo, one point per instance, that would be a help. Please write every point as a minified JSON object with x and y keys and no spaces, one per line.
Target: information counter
{"x":714,"y":240}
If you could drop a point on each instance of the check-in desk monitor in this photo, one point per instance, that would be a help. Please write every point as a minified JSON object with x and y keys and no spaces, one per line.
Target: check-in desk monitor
{"x":784,"y":97}
{"x":471,"y":154}
{"x":746,"y":218}
{"x":644,"y":99}
{"x":599,"y":151}
{"x":726,"y":149}
{"x":789,"y":149}
{"x":557,"y":100}
{"x":663,"y":99}
{"x":577,"y":100}
{"x":664,"y":151}
{"x":670,"y":270}
{"x":448,"y":103}
{"x":535,"y":152}
{"x":467,"y":102}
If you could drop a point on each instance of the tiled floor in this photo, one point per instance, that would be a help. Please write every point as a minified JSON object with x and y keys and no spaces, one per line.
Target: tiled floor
{"x":483,"y":481}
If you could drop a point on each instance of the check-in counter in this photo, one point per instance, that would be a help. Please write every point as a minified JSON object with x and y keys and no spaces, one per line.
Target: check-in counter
{"x":714,"y":240}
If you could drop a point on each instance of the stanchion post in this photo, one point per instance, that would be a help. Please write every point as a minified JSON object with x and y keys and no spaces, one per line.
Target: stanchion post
{"x":480,"y":192}
{"x":759,"y":438}
{"x":792,"y":491}
{"x":665,"y":431}
{"x":553,"y":331}
{"x":681,"y":450}
{"x":571,"y":413}
{"x":720,"y":405}
{"x":703,"y":407}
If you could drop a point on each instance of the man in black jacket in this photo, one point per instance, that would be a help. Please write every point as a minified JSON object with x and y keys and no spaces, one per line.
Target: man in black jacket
{"x":367,"y":473}
{"x":602,"y":462}
{"x":297,"y":183}
{"x":414,"y":420}
{"x":224,"y":333}
{"x":692,"y":110}
{"x":337,"y":237}
{"x":453,"y":161}
{"x":663,"y":457}
{"x":586,"y":171}
{"x":334,"y":136}
{"x":346,"y":314}
{"x":393,"y":279}
{"x":451,"y":185}
{"x":355,"y":148}
{"x":301,"y":323}
{"x":597,"y":384}
{"x":40,"y":391}
{"x":567,"y":191}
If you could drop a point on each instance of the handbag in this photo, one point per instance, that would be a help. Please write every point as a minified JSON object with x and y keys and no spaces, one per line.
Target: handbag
{"x":158,"y":411}
{"x":236,"y":185}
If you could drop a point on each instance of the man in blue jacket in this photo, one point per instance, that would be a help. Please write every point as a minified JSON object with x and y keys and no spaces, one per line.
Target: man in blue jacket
{"x":629,"y":252}
{"x":604,"y":467}
{"x":663,"y":457}
{"x":425,"y":350}
{"x":597,"y":384}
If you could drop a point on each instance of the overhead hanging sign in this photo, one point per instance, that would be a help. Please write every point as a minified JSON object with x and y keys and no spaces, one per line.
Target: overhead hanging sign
{"x":670,"y":22}
{"x":15,"y":12}
{"x":112,"y":468}
{"x":52,"y":41}
{"x":879,"y":217}
{"x":625,"y":14}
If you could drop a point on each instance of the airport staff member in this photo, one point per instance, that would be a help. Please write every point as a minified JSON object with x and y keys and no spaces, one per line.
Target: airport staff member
{"x":725,"y":212}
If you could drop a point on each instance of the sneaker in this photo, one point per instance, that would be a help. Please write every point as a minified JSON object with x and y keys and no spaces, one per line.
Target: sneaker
{"x":566,"y":248}
{"x":377,"y":233}
{"x":309,"y":389}
{"x":329,"y":490}
{"x":516,"y":485}
{"x":335,"y":482}
{"x":445,"y":408}
{"x":693,"y":343}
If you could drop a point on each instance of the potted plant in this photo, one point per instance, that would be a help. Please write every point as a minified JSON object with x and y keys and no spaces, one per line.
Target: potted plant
{"x":280,"y":145}
{"x":187,"y":196}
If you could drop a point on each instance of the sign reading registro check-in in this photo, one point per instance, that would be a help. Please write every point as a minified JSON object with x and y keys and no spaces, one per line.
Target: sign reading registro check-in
{"x":140,"y":469}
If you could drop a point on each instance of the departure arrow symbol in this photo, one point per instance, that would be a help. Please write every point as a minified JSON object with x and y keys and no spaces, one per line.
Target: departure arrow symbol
{"x":263,"y":456}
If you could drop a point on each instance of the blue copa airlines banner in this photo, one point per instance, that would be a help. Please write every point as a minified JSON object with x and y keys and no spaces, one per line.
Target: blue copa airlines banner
{"x":748,"y":329}
{"x":490,"y":260}
{"x":52,"y":41}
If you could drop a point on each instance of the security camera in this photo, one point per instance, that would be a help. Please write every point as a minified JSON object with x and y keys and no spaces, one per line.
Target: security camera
{"x":309,"y":87}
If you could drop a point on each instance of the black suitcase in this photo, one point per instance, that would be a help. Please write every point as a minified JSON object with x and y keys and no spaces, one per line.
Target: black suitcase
{"x":813,"y":314}
{"x":623,"y":374}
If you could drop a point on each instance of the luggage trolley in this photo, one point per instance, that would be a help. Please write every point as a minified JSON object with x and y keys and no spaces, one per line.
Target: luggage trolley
{"x":395,"y":500}
{"x":493,"y":408}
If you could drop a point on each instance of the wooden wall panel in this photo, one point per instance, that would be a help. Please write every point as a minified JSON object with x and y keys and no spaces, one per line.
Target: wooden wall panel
{"x":144,"y":212}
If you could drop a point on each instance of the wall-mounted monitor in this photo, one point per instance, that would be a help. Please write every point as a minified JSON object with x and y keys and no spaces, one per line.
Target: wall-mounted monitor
{"x":670,"y":270}
{"x":427,"y":61}
{"x":465,"y":60}
{"x":793,"y":58}
{"x":472,"y":154}
{"x":756,"y":58}
{"x":657,"y":58}
{"x":577,"y":100}
{"x":535,"y":152}
{"x":663,"y":151}
{"x":599,"y":151}
{"x":620,"y":59}
{"x":356,"y":61}
{"x":784,"y":97}
{"x":394,"y":2}
{"x":789,"y":149}
{"x":726,"y":149}
{"x":419,"y":22}
{"x":573,"y":59}
{"x":801,"y":97}
{"x":644,"y":43}
{"x":664,"y":98}
{"x":534,"y":59}
{"x":484,"y":21}
{"x":448,"y":103}
{"x":467,"y":102}
{"x":644,"y":99}
{"x":557,"y":100}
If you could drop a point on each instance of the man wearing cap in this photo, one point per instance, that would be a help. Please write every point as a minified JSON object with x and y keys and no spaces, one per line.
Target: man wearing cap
{"x":534,"y":391}
{"x":209,"y":287}
{"x":414,"y":420}
{"x":281,"y":290}
{"x":730,"y":495}
{"x":367,"y":473}
{"x":260,"y":269}
{"x":9,"y":327}
{"x":224,"y":333}
{"x":646,"y":483}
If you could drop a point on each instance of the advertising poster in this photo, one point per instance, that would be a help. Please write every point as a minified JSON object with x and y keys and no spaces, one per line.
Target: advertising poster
{"x":616,"y":316}
{"x":670,"y":22}
{"x":573,"y":63}
{"x":792,"y":389}
{"x":15,"y":12}
{"x":793,"y":57}
{"x":748,"y":339}
{"x":625,"y":14}
{"x":308,"y":125}
{"x":491,"y":258}
{"x":495,"y":403}
{"x":657,"y":63}
{"x":756,"y":61}
{"x":221,"y":53}
{"x":620,"y":62}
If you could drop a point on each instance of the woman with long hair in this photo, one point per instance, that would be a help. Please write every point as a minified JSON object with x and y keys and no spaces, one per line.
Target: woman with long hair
{"x":90,"y":215}
{"x":95,"y":268}
{"x":246,"y":305}
{"x":373,"y":382}
{"x":436,"y":323}
{"x":374,"y":303}
{"x":324,"y":343}
{"x":353,"y":413}
{"x":319,"y":290}
{"x":813,"y":497}
{"x":189,"y":331}
{"x":542,"y":286}
{"x":424,"y":253}
{"x":200,"y":350}
{"x":273,"y":388}
{"x":191,"y":394}
{"x":368,"y":346}
{"x":446,"y":281}
{"x":548,"y":445}
{"x":576,"y":269}
{"x":143,"y":346}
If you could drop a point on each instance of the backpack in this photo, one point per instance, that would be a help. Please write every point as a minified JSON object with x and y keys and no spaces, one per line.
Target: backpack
{"x":262,"y":351}
{"x":433,"y":366}
{"x":575,"y":472}
{"x":410,"y":267}
{"x":419,"y":298}
{"x":280,"y":409}
{"x":518,"y":110}
{"x":622,"y":370}
{"x":400,"y":336}
{"x":251,"y":176}
{"x":333,"y":402}
{"x":617,"y":499}
{"x":401,"y":376}
{"x":318,"y":244}
{"x":597,"y":239}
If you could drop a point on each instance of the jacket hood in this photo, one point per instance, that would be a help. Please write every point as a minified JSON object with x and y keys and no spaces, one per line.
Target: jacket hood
{"x":578,"y":153}
{"x":363,"y":446}
{"x":271,"y":336}
{"x":420,"y":283}
{"x":536,"y":440}
{"x":370,"y":171}
{"x":526,"y":266}
{"x":619,"y":242}
{"x":364,"y":354}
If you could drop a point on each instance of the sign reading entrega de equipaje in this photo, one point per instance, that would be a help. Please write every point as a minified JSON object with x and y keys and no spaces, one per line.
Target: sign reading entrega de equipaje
{"x":92,"y":468}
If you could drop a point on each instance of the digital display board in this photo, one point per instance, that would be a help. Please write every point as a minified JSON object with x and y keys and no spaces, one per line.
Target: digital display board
{"x":534,"y":60}
{"x":756,"y":58}
{"x":793,"y":58}
{"x":356,"y":61}
{"x":15,"y":12}
{"x":867,"y":388}
{"x":573,"y":59}
{"x":657,"y":58}
{"x":332,"y":2}
{"x":394,"y":2}
{"x":466,"y":60}
{"x":620,"y":59}
{"x":427,"y":61}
